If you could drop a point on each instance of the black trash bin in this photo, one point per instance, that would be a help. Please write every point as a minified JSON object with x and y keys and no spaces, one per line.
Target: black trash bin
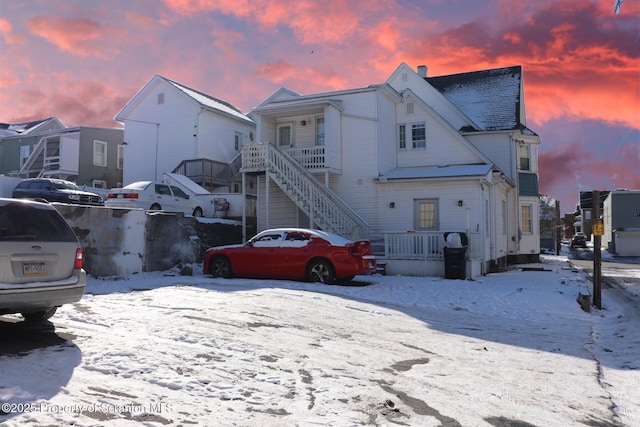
{"x":455,"y":263}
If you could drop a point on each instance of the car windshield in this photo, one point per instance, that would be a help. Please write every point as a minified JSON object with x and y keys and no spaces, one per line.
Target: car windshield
{"x":61,"y":185}
{"x":20,"y":221}
{"x":138,"y":185}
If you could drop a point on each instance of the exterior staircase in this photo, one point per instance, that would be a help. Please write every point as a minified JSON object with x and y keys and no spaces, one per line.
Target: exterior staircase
{"x":324,"y":207}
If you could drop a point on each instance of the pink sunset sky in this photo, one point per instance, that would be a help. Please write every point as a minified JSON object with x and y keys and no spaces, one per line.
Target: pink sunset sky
{"x":82,"y":61}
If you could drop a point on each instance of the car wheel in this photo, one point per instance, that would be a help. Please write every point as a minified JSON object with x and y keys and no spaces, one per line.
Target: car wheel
{"x":155,"y":207}
{"x":321,"y":271}
{"x":197,"y":212}
{"x":220,"y":267}
{"x":39,"y":316}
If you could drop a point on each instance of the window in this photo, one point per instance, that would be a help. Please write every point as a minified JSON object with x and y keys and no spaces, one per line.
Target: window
{"x":527,"y":220}
{"x":237,"y":141}
{"x":99,"y":183}
{"x":285,"y":137}
{"x":120,"y":156}
{"x":402,"y":137}
{"x":160,"y":98}
{"x":426,"y":214}
{"x":25,"y":151}
{"x":524,"y":155}
{"x":163,"y":190}
{"x":320,"y":131}
{"x":419,"y":136}
{"x":99,"y":153}
{"x":179,"y":193}
{"x":410,"y":108}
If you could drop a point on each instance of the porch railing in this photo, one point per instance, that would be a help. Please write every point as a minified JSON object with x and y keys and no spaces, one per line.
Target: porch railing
{"x":309,"y":157}
{"x":421,"y":246}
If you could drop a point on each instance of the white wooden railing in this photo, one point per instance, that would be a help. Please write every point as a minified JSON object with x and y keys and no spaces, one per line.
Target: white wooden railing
{"x":324,"y":207}
{"x":423,"y":246}
{"x":309,"y":157}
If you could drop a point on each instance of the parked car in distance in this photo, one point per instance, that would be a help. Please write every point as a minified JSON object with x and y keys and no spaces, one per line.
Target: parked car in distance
{"x":579,"y":239}
{"x":40,"y":260}
{"x":56,"y":190}
{"x":154,"y":196}
{"x":293,"y":253}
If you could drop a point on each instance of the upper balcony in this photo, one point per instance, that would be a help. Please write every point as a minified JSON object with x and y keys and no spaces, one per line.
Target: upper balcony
{"x":309,"y":131}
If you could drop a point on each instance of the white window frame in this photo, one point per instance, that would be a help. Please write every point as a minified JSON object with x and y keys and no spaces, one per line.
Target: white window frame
{"x":320,"y":130}
{"x":406,"y":133}
{"x":25,"y":153}
{"x":99,"y":154}
{"x":525,"y":149}
{"x":417,"y":215}
{"x":237,"y":141}
{"x":526,"y":224}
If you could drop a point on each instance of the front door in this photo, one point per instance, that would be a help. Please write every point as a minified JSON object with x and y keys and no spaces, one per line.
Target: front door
{"x":285,"y":135}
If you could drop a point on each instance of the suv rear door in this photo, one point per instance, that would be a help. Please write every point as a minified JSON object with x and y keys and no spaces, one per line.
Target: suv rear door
{"x":36,"y":244}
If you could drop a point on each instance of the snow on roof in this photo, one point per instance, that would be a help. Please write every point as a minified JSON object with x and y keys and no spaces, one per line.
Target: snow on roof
{"x":187,"y":183}
{"x":491,"y":98}
{"x":211,"y":102}
{"x":12,"y":129}
{"x":448,"y":171}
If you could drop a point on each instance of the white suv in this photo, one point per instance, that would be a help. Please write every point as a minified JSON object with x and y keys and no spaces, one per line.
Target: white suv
{"x":40,"y":260}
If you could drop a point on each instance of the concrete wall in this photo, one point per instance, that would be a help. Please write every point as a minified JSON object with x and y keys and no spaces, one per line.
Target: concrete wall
{"x":121,"y":242}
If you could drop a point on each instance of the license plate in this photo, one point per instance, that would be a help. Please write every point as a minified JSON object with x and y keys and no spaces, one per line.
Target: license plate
{"x":33,"y":268}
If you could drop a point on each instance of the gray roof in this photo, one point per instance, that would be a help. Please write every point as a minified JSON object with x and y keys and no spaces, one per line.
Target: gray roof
{"x":491,"y":98}
{"x":449,"y":171}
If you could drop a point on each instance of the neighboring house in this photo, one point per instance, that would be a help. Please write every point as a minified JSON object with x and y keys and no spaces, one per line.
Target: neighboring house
{"x":621,"y":217}
{"x":90,"y":156}
{"x":171,"y":128}
{"x":583,"y":216}
{"x":403,"y":163}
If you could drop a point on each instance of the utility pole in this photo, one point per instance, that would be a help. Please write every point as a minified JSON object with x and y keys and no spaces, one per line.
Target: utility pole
{"x":598,"y":231}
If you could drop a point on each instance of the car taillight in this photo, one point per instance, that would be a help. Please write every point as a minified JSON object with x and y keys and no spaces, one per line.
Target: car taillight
{"x":77,"y":264}
{"x":131,"y":196}
{"x":111,"y":196}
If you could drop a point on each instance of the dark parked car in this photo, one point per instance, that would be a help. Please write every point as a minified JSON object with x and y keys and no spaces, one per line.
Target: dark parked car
{"x":579,"y":239}
{"x":293,"y":253}
{"x":40,"y":260}
{"x":56,"y":190}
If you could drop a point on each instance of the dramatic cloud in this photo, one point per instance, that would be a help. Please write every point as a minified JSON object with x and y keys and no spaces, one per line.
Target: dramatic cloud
{"x":83,"y":61}
{"x":78,"y":36}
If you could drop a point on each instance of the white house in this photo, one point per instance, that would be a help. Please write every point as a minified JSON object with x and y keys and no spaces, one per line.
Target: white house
{"x":403,"y":163}
{"x":169,"y":127}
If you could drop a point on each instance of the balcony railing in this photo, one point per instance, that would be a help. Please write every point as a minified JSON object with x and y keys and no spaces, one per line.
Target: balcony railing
{"x":254,"y":157}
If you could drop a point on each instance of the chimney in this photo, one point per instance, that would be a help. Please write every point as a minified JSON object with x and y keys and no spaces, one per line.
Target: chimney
{"x":422,"y":71}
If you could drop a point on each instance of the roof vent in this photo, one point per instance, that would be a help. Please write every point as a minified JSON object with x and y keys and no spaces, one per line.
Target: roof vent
{"x":422,"y":71}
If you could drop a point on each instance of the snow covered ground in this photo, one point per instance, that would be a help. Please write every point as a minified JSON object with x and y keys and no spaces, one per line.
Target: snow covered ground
{"x":508,"y":349}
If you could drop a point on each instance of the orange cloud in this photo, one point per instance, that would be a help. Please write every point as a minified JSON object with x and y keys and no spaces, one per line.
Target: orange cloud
{"x":78,"y":36}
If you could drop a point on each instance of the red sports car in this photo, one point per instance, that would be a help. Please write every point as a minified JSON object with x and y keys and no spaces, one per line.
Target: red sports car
{"x":293,"y":253}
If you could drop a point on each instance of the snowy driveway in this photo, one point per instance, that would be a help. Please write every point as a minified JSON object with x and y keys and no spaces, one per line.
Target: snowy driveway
{"x":512,"y":348}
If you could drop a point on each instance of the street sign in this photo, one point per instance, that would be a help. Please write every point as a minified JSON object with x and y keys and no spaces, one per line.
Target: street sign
{"x":598,"y":227}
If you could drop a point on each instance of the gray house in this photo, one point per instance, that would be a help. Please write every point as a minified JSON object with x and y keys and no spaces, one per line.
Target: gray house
{"x":90,"y":156}
{"x":621,"y":216}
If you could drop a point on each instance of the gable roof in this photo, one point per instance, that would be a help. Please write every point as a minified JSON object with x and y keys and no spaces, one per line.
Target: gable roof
{"x":14,"y":129}
{"x":491,"y":98}
{"x":201,"y":99}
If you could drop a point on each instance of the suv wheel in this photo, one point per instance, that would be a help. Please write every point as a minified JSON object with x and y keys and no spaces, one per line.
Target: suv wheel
{"x":39,"y":316}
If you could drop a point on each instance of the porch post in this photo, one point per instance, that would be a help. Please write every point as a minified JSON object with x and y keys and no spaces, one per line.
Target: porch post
{"x":244,"y":207}
{"x":267,"y":201}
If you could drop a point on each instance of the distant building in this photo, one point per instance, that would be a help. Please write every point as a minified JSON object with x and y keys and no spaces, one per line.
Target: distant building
{"x":621,"y":216}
